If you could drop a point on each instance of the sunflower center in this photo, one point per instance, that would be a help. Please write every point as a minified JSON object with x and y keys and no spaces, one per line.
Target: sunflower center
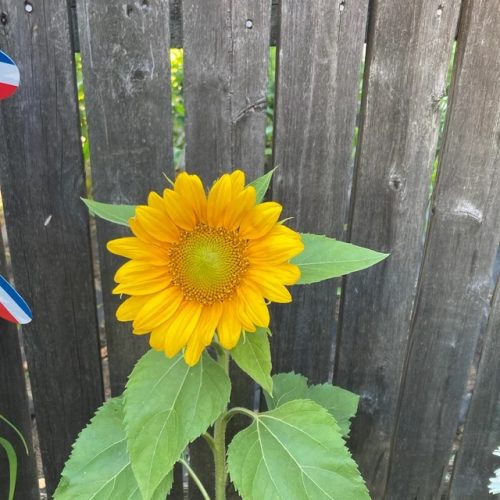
{"x":207,"y":263}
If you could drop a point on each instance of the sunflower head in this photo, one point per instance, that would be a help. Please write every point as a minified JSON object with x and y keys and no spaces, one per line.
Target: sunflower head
{"x":203,"y":264}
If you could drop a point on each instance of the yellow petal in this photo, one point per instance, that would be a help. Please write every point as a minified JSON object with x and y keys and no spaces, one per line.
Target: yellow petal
{"x":255,"y":306}
{"x":139,"y":270}
{"x":204,"y":333}
{"x":182,"y":327}
{"x":156,"y":201}
{"x":237,"y":182}
{"x":179,"y":210}
{"x":143,"y":287}
{"x":260,"y":220}
{"x":129,"y":308}
{"x":157,"y":338}
{"x":219,"y":198}
{"x":239,"y":207}
{"x":272,"y":290}
{"x":157,"y":310}
{"x":190,"y":188}
{"x":134,"y":248}
{"x":141,"y":233}
{"x":229,"y":327}
{"x":278,"y":246}
{"x":157,"y":223}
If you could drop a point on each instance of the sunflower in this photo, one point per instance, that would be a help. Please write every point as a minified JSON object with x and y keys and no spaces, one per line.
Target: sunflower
{"x":204,"y":265}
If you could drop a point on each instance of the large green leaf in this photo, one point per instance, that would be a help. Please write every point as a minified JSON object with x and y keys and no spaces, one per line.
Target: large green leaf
{"x":253,"y":356}
{"x":341,"y":404}
{"x":325,"y":258}
{"x":167,"y":405}
{"x":295,"y":452}
{"x":261,"y":184}
{"x":99,"y":467}
{"x":119,"y":214}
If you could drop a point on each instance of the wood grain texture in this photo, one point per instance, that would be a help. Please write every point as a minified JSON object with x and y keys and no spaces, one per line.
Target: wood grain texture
{"x":320,"y":55}
{"x":42,"y":180}
{"x":475,"y":462}
{"x":407,"y":59}
{"x":126,"y":72}
{"x":455,"y":286}
{"x":176,"y":36}
{"x":225,"y":79}
{"x":225,"y":71}
{"x":14,"y":406}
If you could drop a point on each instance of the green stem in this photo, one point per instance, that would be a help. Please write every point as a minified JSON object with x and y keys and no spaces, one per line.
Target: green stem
{"x":220,"y":441}
{"x":196,"y":479}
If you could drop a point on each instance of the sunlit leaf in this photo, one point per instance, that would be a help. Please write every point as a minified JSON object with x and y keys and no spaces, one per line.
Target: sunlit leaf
{"x":99,"y":467}
{"x":253,"y":356}
{"x":119,"y":214}
{"x":340,"y":403}
{"x":295,"y":452}
{"x":167,"y":405}
{"x":325,"y":258}
{"x":261,"y":184}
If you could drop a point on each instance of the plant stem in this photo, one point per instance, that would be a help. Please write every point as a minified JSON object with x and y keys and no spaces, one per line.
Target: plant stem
{"x":196,"y":479}
{"x":220,"y":441}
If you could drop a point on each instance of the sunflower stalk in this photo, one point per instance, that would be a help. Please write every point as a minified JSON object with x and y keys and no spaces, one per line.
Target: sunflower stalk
{"x":220,"y":440}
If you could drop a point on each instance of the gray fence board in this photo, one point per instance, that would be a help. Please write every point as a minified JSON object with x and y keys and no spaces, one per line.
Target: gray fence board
{"x":454,"y":292}
{"x":126,"y":72}
{"x":407,"y":58}
{"x":14,"y":406}
{"x":42,"y":180}
{"x":320,"y":56}
{"x":225,"y":78}
{"x":475,"y":462}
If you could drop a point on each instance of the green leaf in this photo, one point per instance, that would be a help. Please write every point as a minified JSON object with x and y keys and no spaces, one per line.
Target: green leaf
{"x":286,"y":387}
{"x":295,"y":452}
{"x":324,"y":258}
{"x":261,"y":184}
{"x":99,"y":467}
{"x":17,"y":431}
{"x":119,"y":214}
{"x":253,"y":356}
{"x":12,"y":459}
{"x":340,"y":403}
{"x":167,"y":405}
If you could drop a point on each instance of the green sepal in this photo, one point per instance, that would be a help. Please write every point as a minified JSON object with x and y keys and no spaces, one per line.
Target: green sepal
{"x":340,"y":403}
{"x":253,"y":356}
{"x":324,"y":258}
{"x":118,"y":214}
{"x":99,"y":465}
{"x":261,"y":184}
{"x":295,"y":452}
{"x":167,"y":405}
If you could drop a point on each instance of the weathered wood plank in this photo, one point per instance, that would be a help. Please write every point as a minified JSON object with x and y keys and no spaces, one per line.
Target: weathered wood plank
{"x":320,"y":56}
{"x":455,"y":286}
{"x":226,"y":46}
{"x":126,"y":72}
{"x":176,"y":23}
{"x":14,"y":406}
{"x":407,"y":58}
{"x":42,"y":180}
{"x":475,"y":462}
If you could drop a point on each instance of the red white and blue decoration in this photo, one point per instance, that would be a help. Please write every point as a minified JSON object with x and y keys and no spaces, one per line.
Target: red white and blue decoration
{"x":9,"y":76}
{"x":13,"y":308}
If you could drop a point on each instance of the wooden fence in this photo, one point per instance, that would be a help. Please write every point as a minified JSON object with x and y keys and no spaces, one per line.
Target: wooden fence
{"x":418,"y":336}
